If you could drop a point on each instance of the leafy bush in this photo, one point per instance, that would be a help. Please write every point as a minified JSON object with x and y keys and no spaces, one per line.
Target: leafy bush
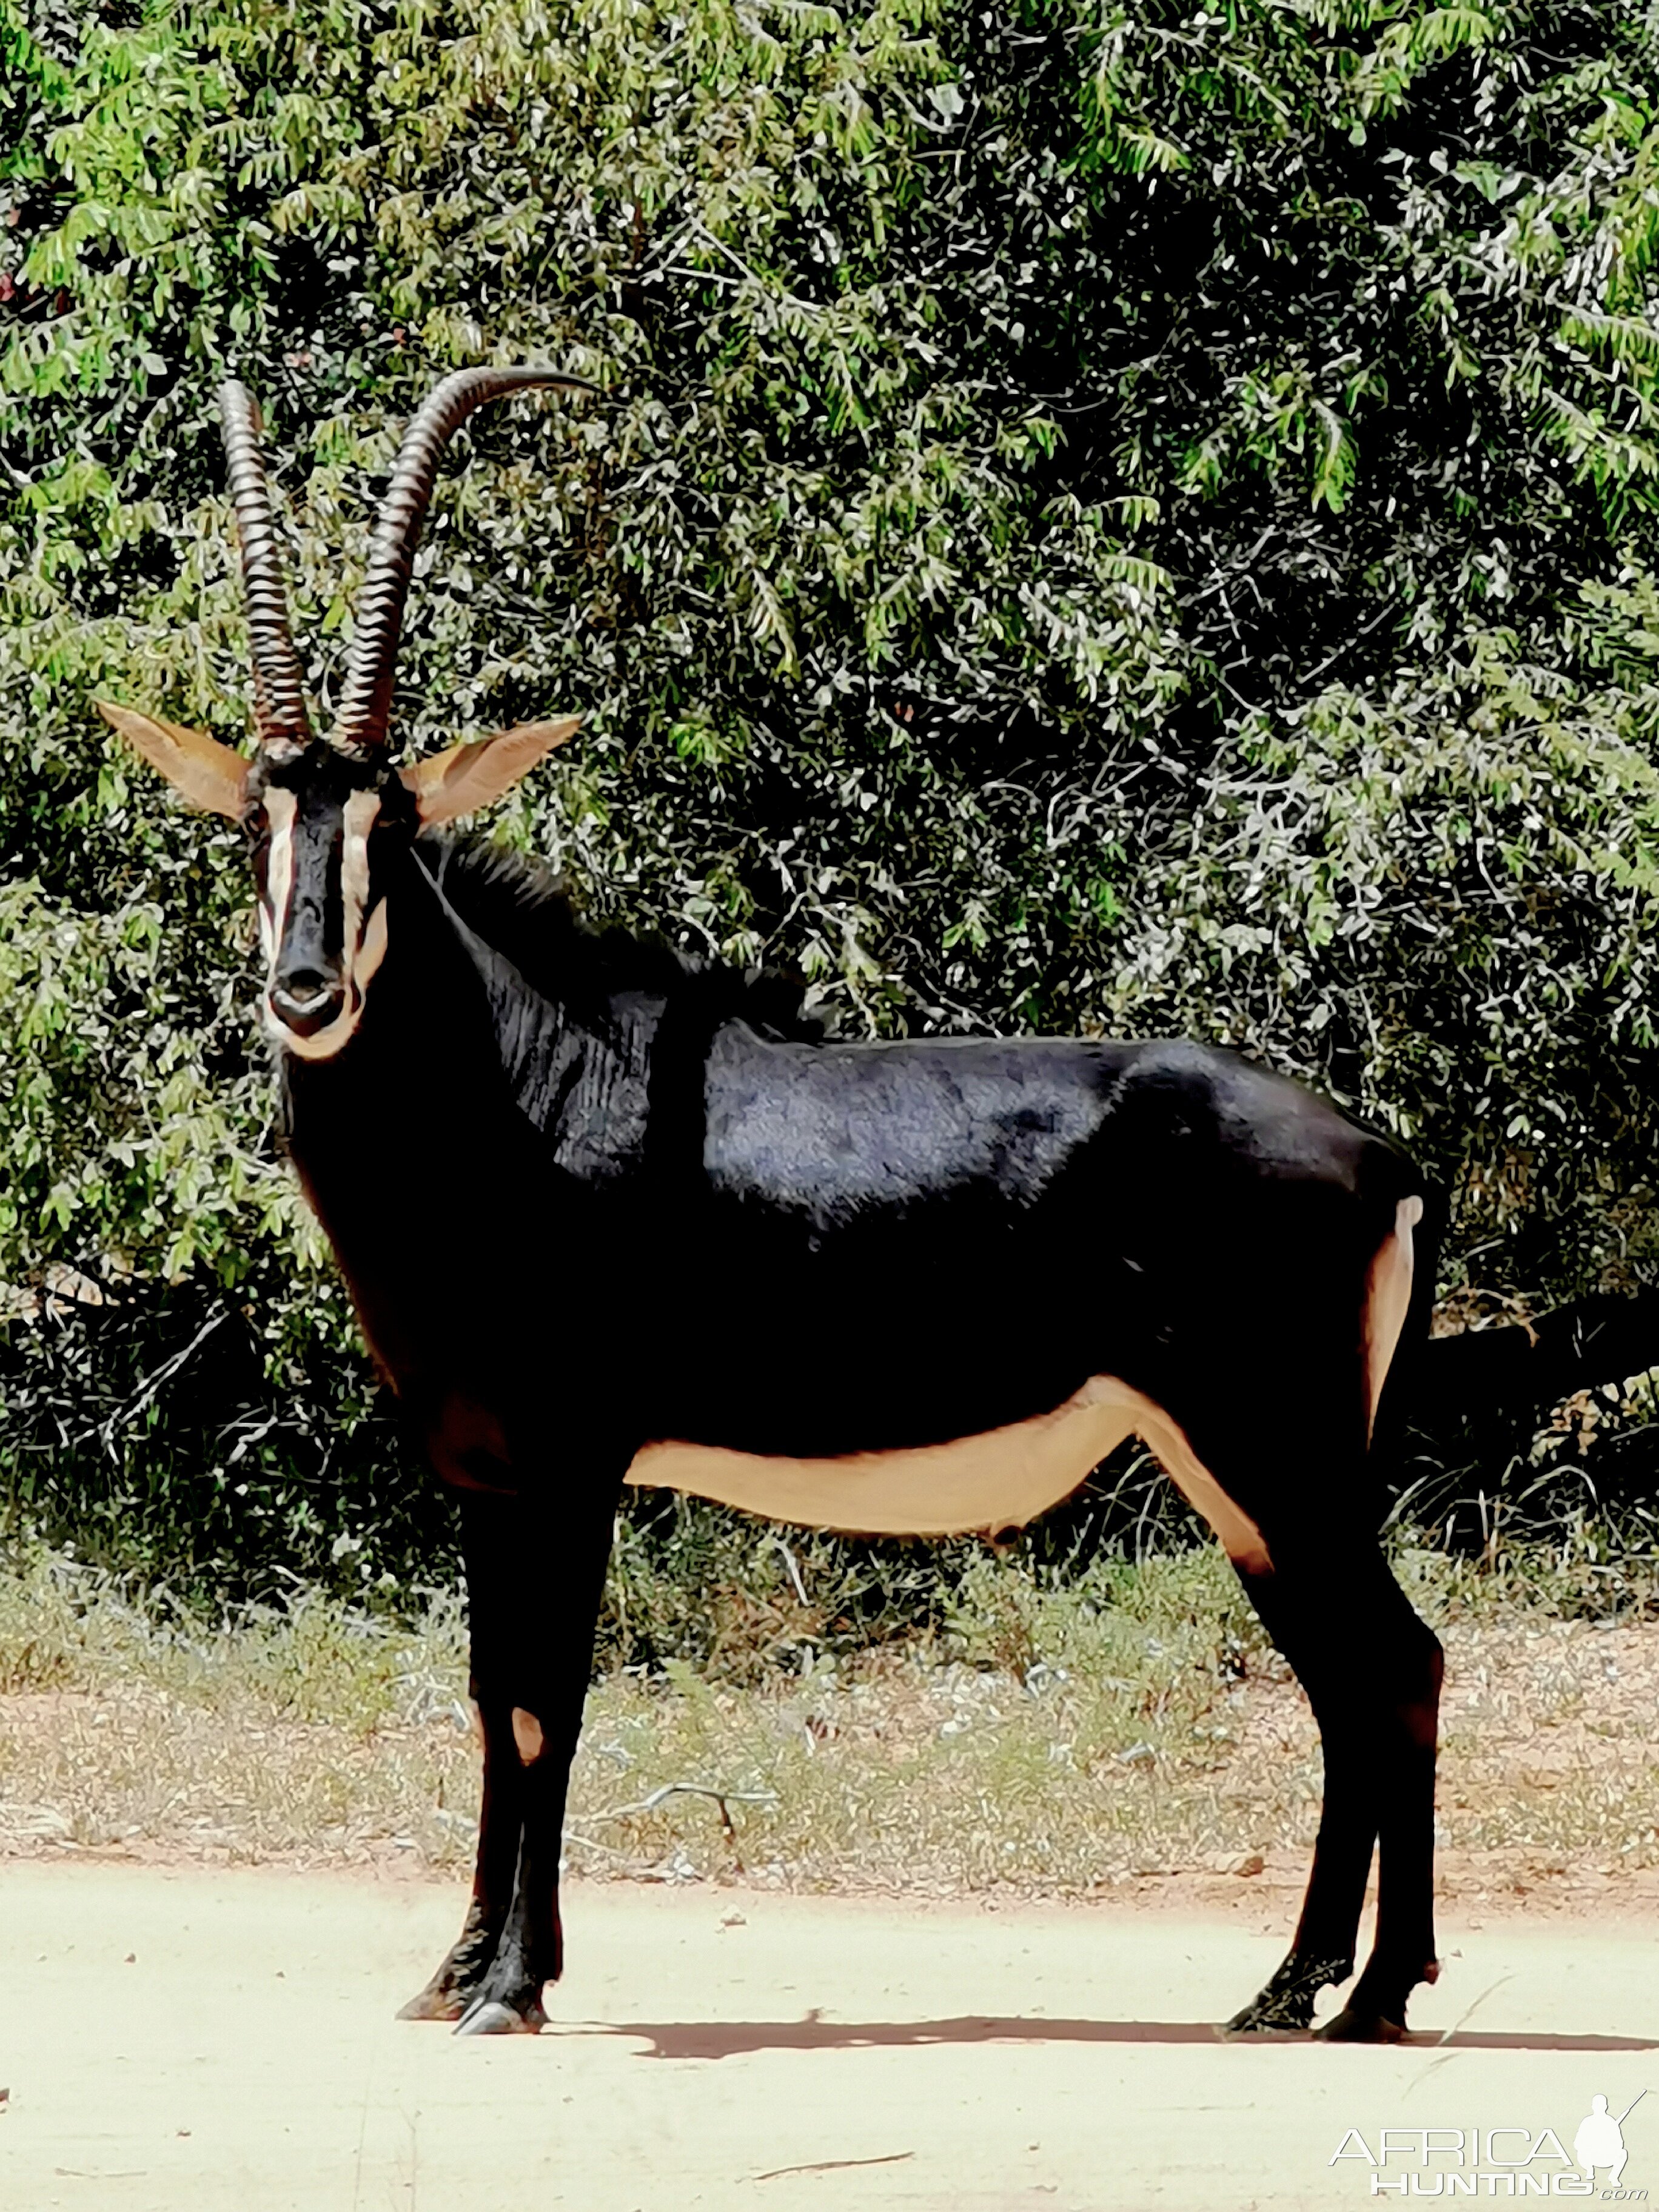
{"x":1098,"y":518}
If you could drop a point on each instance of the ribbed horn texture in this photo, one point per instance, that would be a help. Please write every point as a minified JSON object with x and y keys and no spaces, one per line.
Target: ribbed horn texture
{"x":366,"y":699}
{"x":279,"y":705}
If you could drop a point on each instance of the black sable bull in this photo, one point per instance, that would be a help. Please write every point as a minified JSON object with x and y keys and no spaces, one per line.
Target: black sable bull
{"x":667,"y":1235}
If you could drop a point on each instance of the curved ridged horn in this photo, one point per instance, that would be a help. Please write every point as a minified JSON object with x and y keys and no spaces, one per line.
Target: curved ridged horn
{"x":279,"y":705}
{"x":366,"y":697}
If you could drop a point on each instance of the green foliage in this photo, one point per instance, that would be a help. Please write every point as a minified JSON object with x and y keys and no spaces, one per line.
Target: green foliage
{"x":1098,"y":519}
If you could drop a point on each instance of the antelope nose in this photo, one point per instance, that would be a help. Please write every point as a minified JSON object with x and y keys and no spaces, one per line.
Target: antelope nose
{"x":304,"y":1000}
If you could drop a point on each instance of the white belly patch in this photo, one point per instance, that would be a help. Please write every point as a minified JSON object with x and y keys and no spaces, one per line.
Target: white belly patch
{"x":1006,"y":1477}
{"x":976,"y":1485}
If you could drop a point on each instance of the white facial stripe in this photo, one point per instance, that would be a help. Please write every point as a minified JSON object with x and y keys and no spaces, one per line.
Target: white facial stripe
{"x":362,"y":945}
{"x":374,"y":951}
{"x":360,"y":812}
{"x":280,"y":807}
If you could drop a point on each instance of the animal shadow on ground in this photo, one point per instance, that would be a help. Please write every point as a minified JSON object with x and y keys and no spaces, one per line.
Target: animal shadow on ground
{"x":731,"y":2038}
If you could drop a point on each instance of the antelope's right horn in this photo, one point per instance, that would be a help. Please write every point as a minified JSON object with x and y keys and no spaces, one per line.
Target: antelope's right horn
{"x":279,"y":705}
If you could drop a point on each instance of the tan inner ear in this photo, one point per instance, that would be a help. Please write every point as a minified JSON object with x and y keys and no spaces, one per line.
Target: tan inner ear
{"x":469,"y":776}
{"x":208,"y":773}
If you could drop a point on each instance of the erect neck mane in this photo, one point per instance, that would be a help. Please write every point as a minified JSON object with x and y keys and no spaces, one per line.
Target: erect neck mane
{"x":523,"y":912}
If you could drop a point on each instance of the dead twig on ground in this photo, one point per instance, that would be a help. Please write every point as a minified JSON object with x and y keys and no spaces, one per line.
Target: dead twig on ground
{"x":724,"y":1799}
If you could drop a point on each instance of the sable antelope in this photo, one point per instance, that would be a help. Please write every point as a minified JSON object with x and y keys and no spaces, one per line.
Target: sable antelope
{"x":609,"y":1219}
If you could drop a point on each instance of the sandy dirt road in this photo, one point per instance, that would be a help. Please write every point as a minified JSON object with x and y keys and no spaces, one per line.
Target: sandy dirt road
{"x":194,"y":2041}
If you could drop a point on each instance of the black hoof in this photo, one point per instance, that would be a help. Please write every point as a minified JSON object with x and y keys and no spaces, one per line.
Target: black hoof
{"x":489,"y":2016}
{"x":1255,"y":2019}
{"x":460,"y":1978}
{"x":436,"y":2004}
{"x":1351,"y":2027}
{"x":1286,"y":2005}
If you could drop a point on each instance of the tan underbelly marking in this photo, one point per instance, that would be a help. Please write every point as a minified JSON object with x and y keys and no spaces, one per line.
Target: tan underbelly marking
{"x":1000,"y":1479}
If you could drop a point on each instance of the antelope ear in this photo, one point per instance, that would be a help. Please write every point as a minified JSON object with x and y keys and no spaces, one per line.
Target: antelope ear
{"x":208,"y":773}
{"x":468,"y":776}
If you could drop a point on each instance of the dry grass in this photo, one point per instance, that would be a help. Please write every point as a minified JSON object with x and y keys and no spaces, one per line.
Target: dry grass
{"x":1054,"y":1742}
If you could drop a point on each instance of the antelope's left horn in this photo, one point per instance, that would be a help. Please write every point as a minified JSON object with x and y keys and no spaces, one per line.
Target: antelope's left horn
{"x":366,"y":697}
{"x":279,"y":704}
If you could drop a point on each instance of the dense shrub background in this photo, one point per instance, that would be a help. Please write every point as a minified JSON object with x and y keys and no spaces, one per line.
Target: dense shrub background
{"x":1129,"y":518}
